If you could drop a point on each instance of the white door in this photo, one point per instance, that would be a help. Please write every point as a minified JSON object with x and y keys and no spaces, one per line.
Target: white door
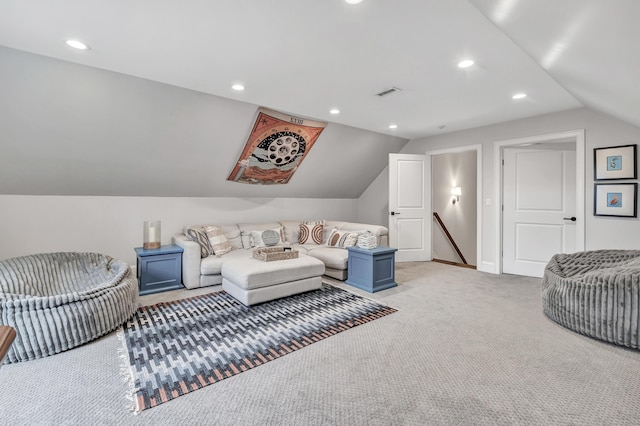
{"x":539,"y":208}
{"x":410,"y":206}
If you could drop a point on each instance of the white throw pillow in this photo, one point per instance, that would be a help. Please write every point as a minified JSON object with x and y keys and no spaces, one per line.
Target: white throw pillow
{"x":311,"y":232}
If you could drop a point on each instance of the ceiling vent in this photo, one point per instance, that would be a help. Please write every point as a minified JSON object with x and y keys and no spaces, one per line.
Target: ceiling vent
{"x":389,"y":90}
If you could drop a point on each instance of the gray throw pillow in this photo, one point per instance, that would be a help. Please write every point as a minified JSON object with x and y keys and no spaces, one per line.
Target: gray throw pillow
{"x":199,"y":235}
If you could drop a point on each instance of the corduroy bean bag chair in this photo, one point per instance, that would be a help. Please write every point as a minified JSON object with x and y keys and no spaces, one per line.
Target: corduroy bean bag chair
{"x":57,"y":301}
{"x":595,"y":293}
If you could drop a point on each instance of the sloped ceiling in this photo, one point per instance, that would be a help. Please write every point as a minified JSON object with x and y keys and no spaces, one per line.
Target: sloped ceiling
{"x":149,"y":109}
{"x":588,"y":46}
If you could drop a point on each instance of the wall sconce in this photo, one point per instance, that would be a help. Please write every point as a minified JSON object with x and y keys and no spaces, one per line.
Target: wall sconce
{"x":456,"y":191}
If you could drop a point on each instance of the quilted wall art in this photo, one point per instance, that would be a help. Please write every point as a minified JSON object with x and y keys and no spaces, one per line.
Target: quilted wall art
{"x":276,"y":146}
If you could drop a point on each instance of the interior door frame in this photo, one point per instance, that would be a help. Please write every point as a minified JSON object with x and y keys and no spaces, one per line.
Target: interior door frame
{"x":453,"y":150}
{"x":498,"y":152}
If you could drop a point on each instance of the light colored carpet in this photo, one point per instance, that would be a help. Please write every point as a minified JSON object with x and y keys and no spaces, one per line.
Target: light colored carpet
{"x":465,"y":348}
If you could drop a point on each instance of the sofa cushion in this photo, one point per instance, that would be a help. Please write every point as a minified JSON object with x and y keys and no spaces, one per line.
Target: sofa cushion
{"x":232,"y":233}
{"x":376,"y":230}
{"x":335,"y":258}
{"x":198,"y":234}
{"x":212,"y":265}
{"x":218,"y":241}
{"x":342,"y":239}
{"x":311,"y":231}
{"x":291,"y":230}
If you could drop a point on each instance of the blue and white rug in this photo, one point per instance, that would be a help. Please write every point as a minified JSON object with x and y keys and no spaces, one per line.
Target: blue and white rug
{"x":177,"y":347}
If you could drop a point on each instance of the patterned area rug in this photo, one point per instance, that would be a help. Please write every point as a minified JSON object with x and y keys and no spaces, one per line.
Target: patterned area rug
{"x":177,"y":347}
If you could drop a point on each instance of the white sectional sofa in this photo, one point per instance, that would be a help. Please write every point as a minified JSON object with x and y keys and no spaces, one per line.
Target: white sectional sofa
{"x":201,"y":272}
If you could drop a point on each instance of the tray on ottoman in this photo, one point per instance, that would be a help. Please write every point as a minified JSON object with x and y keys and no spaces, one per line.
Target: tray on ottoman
{"x":267,"y":254}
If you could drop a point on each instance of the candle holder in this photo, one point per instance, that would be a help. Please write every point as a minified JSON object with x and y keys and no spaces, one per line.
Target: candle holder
{"x":151,"y":237}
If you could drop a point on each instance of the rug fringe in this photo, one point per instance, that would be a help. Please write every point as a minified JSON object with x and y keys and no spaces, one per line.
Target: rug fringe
{"x":125,"y":372}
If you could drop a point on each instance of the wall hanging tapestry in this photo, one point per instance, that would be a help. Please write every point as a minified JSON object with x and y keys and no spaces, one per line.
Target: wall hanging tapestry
{"x":276,"y":146}
{"x":177,"y":347}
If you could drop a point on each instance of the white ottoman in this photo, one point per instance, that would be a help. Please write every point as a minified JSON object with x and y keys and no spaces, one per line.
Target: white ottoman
{"x":253,"y":281}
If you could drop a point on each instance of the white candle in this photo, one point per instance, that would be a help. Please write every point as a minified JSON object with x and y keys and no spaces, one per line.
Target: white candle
{"x":152,"y":231}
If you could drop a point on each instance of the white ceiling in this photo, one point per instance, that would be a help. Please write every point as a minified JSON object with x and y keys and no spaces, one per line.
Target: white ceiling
{"x":308,"y":56}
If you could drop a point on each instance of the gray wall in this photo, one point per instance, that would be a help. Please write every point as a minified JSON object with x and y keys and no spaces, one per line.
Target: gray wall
{"x":113,"y":225}
{"x":601,"y":131}
{"x":68,"y":129}
{"x":447,"y":170}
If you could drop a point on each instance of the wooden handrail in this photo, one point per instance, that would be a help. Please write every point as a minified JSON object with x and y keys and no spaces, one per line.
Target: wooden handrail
{"x":455,"y":246}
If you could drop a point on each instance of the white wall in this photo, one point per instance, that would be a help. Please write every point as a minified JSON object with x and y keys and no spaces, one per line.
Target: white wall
{"x":601,"y":131}
{"x":447,"y":170}
{"x":113,"y":225}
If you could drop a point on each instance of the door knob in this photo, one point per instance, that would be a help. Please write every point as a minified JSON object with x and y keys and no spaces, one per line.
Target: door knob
{"x":572,"y":219}
{"x":394,"y":213}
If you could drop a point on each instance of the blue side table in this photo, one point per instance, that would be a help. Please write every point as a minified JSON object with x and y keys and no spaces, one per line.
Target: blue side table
{"x":159,"y":269}
{"x":371,"y":269}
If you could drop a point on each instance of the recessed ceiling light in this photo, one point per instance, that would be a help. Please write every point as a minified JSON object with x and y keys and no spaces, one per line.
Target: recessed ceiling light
{"x":393,"y":126}
{"x":353,"y":1}
{"x":335,"y":111}
{"x":465,"y":64}
{"x":519,"y":96}
{"x":238,"y":87}
{"x":77,"y":45}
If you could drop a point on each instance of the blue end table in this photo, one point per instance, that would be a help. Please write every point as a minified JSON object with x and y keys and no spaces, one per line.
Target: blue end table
{"x":159,"y":269}
{"x":371,"y":269}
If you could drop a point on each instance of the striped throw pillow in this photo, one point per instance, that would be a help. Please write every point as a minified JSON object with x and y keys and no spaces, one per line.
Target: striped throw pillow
{"x":342,"y":239}
{"x":218,"y":241}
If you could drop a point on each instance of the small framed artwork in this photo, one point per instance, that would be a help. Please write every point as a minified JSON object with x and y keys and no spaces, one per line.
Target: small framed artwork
{"x":618,"y":200}
{"x":615,"y":162}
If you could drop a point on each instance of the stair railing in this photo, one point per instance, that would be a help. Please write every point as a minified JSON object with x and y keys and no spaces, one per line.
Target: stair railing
{"x":453,"y":243}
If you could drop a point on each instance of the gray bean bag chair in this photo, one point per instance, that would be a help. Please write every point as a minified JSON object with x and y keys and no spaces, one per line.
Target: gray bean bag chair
{"x":595,"y":293}
{"x":57,"y":301}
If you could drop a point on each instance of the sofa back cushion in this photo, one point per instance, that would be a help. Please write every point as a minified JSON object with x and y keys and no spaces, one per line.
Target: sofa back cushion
{"x":376,"y":230}
{"x":291,"y":230}
{"x":232,"y":233}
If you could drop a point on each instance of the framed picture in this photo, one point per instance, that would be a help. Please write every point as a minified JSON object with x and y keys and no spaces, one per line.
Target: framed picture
{"x":618,"y":200}
{"x":615,"y":162}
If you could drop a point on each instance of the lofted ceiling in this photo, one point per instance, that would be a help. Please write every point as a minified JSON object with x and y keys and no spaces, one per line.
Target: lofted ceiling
{"x":309,"y":56}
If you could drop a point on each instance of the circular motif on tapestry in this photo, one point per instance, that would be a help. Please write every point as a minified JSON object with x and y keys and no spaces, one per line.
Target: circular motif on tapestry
{"x":283,"y":147}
